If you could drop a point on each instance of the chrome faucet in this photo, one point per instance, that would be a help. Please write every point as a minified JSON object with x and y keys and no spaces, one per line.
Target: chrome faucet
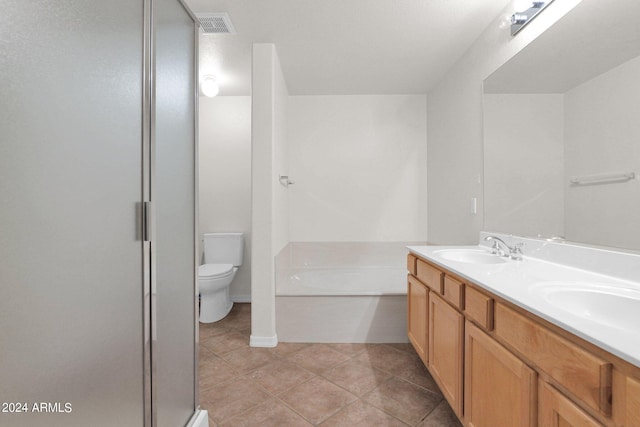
{"x":516,"y":252}
{"x":500,"y":248}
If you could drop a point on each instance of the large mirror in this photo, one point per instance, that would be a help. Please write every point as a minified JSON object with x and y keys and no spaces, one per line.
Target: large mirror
{"x":562,"y":131}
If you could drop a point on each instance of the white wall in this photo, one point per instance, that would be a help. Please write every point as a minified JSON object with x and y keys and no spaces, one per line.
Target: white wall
{"x":359,"y":166}
{"x":280,"y":160}
{"x":524,"y":163}
{"x":268,"y":117}
{"x":455,"y":128}
{"x":225,"y":175}
{"x":602,"y":135}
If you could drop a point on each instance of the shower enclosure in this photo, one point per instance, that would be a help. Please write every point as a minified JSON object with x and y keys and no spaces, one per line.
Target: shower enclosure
{"x":97,"y":213}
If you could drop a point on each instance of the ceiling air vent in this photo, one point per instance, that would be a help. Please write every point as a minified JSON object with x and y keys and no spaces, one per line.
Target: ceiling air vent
{"x":215,"y":23}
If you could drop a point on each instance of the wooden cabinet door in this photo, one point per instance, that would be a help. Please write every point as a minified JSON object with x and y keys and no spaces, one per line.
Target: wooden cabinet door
{"x":417,"y":316}
{"x":626,"y":400}
{"x":446,"y":340}
{"x":632,"y":402}
{"x":555,"y":410}
{"x":500,"y":389}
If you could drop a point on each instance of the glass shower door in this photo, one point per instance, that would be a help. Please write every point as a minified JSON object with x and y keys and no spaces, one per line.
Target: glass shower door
{"x":174,"y":201}
{"x":71,"y":257}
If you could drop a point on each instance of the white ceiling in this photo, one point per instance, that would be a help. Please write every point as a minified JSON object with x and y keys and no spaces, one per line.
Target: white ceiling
{"x":329,"y":47}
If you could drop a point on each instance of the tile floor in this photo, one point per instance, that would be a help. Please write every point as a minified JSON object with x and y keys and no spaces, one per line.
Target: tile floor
{"x":313,"y":384}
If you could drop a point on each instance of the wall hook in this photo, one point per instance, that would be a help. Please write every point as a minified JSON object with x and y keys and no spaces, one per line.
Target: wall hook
{"x":284,"y":180}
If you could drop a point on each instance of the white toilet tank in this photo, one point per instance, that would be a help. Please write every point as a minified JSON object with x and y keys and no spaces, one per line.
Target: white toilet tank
{"x":223,"y":248}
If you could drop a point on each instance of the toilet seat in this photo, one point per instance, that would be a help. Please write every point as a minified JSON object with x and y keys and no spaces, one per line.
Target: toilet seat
{"x":214,"y":270}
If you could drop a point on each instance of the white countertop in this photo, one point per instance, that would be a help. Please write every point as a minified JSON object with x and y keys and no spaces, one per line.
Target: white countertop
{"x":520,"y":282}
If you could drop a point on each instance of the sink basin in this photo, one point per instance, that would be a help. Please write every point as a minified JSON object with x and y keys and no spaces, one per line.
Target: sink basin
{"x":470,"y":256}
{"x":610,"y":305}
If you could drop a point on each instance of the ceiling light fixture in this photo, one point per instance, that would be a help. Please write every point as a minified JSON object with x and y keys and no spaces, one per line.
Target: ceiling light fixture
{"x":209,"y":86}
{"x":524,"y":13}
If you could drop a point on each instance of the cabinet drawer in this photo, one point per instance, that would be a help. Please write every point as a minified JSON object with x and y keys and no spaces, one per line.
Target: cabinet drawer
{"x":430,"y":276}
{"x":454,"y":292}
{"x":479,"y":307}
{"x":583,"y":374}
{"x":411,"y":264}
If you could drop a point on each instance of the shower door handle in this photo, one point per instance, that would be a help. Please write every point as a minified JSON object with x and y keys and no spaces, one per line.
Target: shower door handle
{"x":147,"y":211}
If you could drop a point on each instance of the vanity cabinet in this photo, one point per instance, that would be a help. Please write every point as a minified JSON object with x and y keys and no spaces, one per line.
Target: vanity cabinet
{"x":500,"y":389}
{"x":500,"y":366}
{"x":446,"y":337}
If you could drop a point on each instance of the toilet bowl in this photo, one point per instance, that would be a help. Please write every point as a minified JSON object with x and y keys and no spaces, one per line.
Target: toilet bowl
{"x":223,"y":254}
{"x":214,"y":281}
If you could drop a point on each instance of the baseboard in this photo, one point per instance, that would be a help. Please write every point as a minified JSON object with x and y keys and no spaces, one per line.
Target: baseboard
{"x":240,"y":298}
{"x":199,"y":419}
{"x":255,"y":341}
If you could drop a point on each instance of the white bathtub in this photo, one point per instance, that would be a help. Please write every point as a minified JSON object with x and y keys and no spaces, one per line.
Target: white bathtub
{"x":344,"y":281}
{"x":342,"y":292}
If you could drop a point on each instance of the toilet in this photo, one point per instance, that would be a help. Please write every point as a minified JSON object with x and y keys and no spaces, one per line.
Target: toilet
{"x":222,"y":256}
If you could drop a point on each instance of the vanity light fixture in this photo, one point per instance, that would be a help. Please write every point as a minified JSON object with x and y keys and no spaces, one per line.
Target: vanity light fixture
{"x":524,"y":13}
{"x":209,"y":86}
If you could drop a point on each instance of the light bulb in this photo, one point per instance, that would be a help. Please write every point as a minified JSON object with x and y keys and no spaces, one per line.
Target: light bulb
{"x":505,"y":21}
{"x":209,"y":86}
